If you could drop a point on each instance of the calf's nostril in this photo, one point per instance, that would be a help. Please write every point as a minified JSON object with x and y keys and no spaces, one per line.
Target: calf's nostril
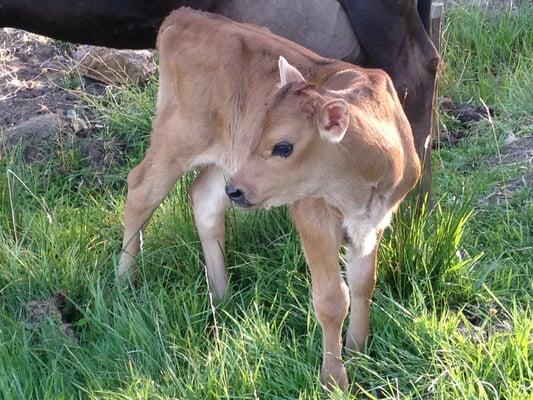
{"x":236,"y":194}
{"x":233,"y":192}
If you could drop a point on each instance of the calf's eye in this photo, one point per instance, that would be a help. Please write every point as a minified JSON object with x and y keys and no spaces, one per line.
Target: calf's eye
{"x":282,"y":149}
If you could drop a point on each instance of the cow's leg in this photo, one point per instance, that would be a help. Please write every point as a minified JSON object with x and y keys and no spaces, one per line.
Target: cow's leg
{"x":361,"y":273}
{"x":209,"y":202}
{"x":321,"y":237}
{"x":148,"y":184}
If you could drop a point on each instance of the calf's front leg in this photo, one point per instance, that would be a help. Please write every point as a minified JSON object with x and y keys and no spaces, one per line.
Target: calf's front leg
{"x":209,"y":202}
{"x":321,"y":238}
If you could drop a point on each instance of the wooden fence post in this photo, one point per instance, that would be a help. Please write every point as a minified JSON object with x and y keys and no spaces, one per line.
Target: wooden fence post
{"x":436,"y":37}
{"x":435,"y":33}
{"x":436,"y":23}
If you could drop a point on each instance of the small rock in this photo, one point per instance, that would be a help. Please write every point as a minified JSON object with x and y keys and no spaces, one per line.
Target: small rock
{"x":34,"y":129}
{"x":449,"y":137}
{"x":446,"y":104}
{"x":95,"y":154}
{"x":22,"y":56}
{"x":51,"y":310}
{"x":113,"y":66}
{"x":44,"y":52}
{"x":470,"y":331}
{"x":466,"y":113}
{"x":94,"y":88}
{"x":37,"y":92}
{"x":504,"y":327}
{"x":71,"y":96}
{"x":29,"y":71}
{"x":76,"y":122}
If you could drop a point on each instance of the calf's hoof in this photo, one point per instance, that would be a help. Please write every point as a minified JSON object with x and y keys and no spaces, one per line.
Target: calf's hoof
{"x":219,"y":292}
{"x":334,"y":374}
{"x":127,"y":272}
{"x":354,"y":345}
{"x":357,"y":341}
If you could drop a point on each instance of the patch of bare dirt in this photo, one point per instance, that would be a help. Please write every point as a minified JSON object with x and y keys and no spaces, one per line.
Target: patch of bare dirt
{"x":50,"y":311}
{"x":38,"y":108}
{"x":33,"y":72}
{"x":464,"y":112}
{"x":517,"y":151}
{"x":466,"y":117}
{"x":478,"y":326}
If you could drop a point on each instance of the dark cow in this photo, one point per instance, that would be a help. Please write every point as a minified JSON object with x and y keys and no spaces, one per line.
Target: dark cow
{"x":389,"y":34}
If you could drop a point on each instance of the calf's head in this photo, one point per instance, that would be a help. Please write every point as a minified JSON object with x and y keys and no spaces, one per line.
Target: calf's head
{"x":294,"y":156}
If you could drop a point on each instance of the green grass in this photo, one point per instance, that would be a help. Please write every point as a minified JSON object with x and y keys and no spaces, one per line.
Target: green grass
{"x":451,"y":318}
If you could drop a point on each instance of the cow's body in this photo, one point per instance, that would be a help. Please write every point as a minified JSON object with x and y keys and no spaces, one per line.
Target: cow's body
{"x":134,"y":23}
{"x":326,"y":137}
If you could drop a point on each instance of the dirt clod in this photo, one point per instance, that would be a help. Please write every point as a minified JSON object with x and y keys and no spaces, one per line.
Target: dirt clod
{"x":466,"y":116}
{"x":52,"y":311}
{"x":113,"y":66}
{"x":464,"y":112}
{"x":32,"y":130}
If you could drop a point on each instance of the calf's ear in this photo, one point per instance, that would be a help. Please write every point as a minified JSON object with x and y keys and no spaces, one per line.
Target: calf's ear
{"x":333,"y":120}
{"x":288,"y":73}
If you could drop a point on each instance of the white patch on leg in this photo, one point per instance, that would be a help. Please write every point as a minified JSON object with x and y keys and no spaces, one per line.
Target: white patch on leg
{"x":362,"y":233}
{"x":363,"y":229}
{"x":209,"y":202}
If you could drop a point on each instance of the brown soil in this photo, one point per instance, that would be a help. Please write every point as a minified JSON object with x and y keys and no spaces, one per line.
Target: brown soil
{"x":517,"y":152}
{"x":50,"y":311}
{"x":33,"y":72}
{"x":466,"y":115}
{"x":37,"y":108}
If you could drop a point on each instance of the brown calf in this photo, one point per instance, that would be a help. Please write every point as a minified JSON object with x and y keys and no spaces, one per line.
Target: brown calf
{"x":327,"y":138}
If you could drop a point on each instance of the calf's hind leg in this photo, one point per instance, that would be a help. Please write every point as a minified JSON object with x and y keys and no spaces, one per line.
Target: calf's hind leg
{"x":361,"y":274}
{"x":209,"y":202}
{"x":148,"y":184}
{"x":321,"y":237}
